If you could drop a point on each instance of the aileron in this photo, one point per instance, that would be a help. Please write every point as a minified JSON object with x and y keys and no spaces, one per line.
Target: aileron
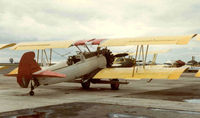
{"x":42,"y":45}
{"x":159,"y":40}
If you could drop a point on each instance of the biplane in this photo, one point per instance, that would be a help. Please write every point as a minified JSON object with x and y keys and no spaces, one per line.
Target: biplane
{"x":91,"y":66}
{"x":2,"y":46}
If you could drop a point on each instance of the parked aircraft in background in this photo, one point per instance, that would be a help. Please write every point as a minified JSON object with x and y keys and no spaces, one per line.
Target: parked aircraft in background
{"x":2,"y":46}
{"x":126,"y":59}
{"x":198,"y":73}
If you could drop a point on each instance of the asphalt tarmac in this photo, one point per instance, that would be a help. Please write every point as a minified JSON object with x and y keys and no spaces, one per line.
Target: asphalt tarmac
{"x":138,"y":99}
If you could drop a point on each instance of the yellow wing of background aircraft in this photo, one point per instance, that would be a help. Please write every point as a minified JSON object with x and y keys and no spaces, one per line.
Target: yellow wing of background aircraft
{"x":2,"y":46}
{"x":92,"y":67}
{"x":198,"y":73}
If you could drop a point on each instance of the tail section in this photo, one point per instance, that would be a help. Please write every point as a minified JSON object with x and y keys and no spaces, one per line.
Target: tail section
{"x":27,"y":66}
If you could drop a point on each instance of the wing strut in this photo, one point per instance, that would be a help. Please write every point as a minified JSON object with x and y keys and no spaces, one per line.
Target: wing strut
{"x":50,"y":57}
{"x":134,"y":61}
{"x":79,"y":49}
{"x":147,"y":49}
{"x":38,"y":54}
{"x":143,"y":56}
{"x":46,"y":56}
{"x":42,"y":59}
{"x":87,"y":48}
{"x":154,"y":59}
{"x":140,"y":50}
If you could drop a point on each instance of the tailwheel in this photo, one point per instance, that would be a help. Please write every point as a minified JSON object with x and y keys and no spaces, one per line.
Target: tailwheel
{"x":114,"y":84}
{"x":85,"y":84}
{"x":31,"y":93}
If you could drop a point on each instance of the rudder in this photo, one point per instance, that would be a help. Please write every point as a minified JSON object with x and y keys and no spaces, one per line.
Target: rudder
{"x":27,"y":66}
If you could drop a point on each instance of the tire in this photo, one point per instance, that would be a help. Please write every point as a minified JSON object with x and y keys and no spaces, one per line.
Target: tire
{"x":114,"y":84}
{"x":31,"y":93}
{"x":85,"y":85}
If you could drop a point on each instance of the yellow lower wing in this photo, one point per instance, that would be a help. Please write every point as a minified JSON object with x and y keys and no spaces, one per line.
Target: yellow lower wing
{"x":14,"y":72}
{"x":3,"y":67}
{"x":140,"y":73}
{"x":197,"y":74}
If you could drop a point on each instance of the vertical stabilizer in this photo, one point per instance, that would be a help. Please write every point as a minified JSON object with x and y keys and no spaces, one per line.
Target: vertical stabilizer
{"x":27,"y":66}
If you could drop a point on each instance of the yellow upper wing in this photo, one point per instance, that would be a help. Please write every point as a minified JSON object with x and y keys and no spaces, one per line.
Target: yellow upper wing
{"x":198,"y":37}
{"x":111,"y":42}
{"x":140,"y":73}
{"x":178,"y":40}
{"x":2,"y":46}
{"x":42,"y":45}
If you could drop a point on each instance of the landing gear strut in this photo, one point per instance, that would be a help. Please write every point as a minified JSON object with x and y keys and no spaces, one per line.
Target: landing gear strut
{"x":114,"y":84}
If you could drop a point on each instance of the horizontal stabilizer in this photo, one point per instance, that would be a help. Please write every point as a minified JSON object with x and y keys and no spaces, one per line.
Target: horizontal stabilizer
{"x":49,"y":73}
{"x":3,"y":67}
{"x":41,"y":74}
{"x":150,"y":72}
{"x":14,"y":72}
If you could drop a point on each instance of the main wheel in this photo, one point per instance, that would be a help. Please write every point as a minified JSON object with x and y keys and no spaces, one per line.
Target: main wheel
{"x":86,"y":84}
{"x":114,"y":84}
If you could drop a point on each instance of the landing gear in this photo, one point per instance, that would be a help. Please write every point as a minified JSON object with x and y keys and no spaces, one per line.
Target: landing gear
{"x":114,"y":84}
{"x":85,"y":84}
{"x":36,"y":84}
{"x":31,"y":93}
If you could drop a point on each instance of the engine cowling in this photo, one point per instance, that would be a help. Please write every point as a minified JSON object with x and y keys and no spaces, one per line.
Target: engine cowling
{"x":109,"y":57}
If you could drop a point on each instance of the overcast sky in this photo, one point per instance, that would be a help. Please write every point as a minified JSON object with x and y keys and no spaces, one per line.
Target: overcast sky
{"x":35,"y":20}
